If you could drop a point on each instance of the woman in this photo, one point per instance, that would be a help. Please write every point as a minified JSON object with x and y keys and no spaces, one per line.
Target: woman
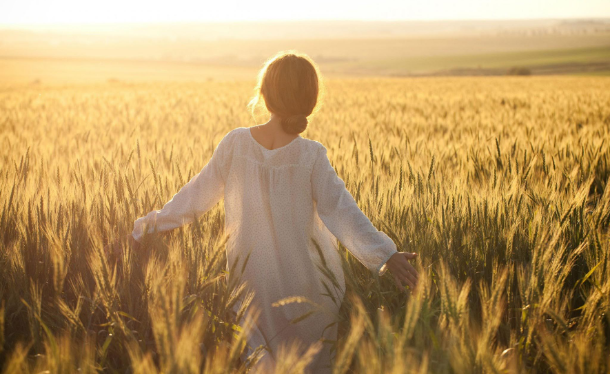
{"x":285,"y":206}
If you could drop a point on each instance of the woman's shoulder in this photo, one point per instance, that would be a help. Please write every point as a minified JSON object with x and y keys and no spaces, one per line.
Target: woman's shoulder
{"x":315,"y":152}
{"x":314,"y":146}
{"x":232,"y":135}
{"x":235,"y":132}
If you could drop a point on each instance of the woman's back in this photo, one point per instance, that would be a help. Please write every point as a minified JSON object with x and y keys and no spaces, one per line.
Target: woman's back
{"x":277,"y":203}
{"x":271,"y":216}
{"x":270,"y":210}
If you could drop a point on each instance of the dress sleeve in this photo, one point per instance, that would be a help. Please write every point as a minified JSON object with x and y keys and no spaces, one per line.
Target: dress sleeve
{"x":195,"y":198}
{"x":340,"y":213}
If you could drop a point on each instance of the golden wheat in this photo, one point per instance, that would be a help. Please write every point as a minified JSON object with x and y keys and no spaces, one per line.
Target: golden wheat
{"x":500,"y":185}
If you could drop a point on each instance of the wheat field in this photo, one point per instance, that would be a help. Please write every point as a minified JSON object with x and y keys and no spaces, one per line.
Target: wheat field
{"x":499,"y":184}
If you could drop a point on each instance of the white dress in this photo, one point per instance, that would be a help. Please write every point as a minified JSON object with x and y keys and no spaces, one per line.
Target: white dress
{"x":276,"y":203}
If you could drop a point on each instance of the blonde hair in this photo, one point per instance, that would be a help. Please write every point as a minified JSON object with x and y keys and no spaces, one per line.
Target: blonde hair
{"x":290,"y":86}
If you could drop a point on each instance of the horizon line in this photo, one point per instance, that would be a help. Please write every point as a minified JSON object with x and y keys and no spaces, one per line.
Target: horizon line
{"x":171,"y":22}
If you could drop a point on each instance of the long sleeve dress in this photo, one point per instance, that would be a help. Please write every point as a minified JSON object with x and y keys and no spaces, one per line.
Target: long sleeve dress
{"x":278,"y":204}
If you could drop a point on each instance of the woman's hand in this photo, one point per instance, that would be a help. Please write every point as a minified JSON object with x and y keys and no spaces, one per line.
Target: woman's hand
{"x":402,"y":270}
{"x":114,"y":248}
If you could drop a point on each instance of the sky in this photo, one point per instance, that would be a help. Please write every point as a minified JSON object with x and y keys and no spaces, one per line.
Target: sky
{"x":37,"y":12}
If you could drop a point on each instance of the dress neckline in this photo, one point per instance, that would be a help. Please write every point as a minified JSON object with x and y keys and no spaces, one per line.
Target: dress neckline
{"x":265,"y":148}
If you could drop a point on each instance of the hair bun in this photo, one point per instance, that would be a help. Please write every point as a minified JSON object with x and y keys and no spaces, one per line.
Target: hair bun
{"x":294,"y":124}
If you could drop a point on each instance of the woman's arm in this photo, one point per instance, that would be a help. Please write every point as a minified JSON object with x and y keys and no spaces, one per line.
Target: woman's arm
{"x":342,"y":216}
{"x":200,"y":194}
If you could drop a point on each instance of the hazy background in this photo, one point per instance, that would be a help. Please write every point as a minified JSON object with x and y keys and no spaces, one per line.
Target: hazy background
{"x":70,"y":41}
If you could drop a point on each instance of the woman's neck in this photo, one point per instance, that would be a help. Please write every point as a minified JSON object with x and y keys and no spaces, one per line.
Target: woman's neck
{"x":271,"y":134}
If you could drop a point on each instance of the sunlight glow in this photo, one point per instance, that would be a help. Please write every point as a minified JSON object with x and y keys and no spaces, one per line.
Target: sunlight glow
{"x":79,"y":11}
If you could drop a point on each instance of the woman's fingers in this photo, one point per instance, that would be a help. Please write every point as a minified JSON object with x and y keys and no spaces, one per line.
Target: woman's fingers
{"x":412,"y":271}
{"x":408,"y":270}
{"x":133,"y":243}
{"x":398,"y":280}
{"x":408,"y":264}
{"x":403,"y":271}
{"x":405,"y":277}
{"x":412,"y":279}
{"x":409,"y":282}
{"x":113,"y":248}
{"x":398,"y":283}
